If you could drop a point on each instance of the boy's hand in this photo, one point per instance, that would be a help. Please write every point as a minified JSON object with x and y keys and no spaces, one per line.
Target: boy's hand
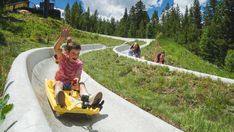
{"x":75,"y":81}
{"x":65,"y":33}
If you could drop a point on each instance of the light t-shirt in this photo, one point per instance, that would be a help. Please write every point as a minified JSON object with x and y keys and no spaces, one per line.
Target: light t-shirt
{"x":67,"y":70}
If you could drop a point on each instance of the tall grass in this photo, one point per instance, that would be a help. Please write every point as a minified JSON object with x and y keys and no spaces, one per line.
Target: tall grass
{"x":184,"y":100}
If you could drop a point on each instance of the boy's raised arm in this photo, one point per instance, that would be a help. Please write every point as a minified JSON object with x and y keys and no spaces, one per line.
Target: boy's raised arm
{"x":58,"y":43}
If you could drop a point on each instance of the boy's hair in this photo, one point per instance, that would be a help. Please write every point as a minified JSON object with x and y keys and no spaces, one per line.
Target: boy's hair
{"x":73,"y":46}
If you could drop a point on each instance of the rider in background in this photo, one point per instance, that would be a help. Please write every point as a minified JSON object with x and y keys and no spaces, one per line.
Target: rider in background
{"x":159,"y":57}
{"x":135,"y":50}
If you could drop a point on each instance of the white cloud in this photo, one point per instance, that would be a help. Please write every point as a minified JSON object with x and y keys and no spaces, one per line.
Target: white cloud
{"x":158,"y":3}
{"x":182,"y":4}
{"x":115,"y":8}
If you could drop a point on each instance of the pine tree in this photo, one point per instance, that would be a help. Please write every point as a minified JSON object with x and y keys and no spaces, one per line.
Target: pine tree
{"x":177,"y":22}
{"x":132,"y":22}
{"x":80,"y":9}
{"x":105,"y":27}
{"x":207,"y":15}
{"x":139,"y":8}
{"x":209,"y":11}
{"x":213,"y":4}
{"x":88,"y":19}
{"x":141,"y":30}
{"x":146,"y":18}
{"x":1,"y":6}
{"x":228,"y":20}
{"x":185,"y":26}
{"x":195,"y":26}
{"x":191,"y":15}
{"x":100,"y":26}
{"x":155,"y":18}
{"x":112,"y":26}
{"x":150,"y":30}
{"x":197,"y":14}
{"x":68,"y":14}
{"x":155,"y":21}
{"x":125,"y":17}
{"x":163,"y":23}
{"x":74,"y":15}
{"x":132,"y":31}
{"x":94,"y":21}
{"x":124,"y":24}
{"x":79,"y":15}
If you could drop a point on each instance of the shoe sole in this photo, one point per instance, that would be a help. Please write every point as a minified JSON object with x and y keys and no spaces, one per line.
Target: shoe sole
{"x":97,"y":99}
{"x":61,"y":98}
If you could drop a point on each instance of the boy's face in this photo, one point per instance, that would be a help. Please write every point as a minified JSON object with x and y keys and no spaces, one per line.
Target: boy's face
{"x":74,"y":55}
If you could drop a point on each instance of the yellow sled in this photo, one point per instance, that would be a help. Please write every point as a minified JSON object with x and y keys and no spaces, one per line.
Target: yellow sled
{"x":72,"y":101}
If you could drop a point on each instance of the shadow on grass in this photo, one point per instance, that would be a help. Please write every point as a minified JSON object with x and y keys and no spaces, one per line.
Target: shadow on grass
{"x":10,"y":18}
{"x":2,"y":39}
{"x":7,"y":23}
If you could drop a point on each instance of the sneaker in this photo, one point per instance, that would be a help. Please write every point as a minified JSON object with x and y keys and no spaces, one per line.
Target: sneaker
{"x":96,"y":99}
{"x":101,"y":105}
{"x":60,"y":98}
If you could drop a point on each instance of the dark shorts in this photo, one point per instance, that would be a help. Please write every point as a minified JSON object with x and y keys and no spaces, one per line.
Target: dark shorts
{"x":68,"y":86}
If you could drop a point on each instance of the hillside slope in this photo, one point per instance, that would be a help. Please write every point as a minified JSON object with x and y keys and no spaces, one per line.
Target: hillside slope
{"x":179,"y":56}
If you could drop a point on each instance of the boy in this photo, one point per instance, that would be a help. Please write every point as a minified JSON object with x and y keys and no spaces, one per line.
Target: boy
{"x":68,"y":75}
{"x":64,"y":47}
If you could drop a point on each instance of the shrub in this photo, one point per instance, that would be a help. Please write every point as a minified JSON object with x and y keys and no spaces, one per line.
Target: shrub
{"x":4,"y":107}
{"x":229,"y":61}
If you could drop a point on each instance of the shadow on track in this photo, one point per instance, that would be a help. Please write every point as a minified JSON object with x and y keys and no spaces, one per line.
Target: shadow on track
{"x":84,"y":121}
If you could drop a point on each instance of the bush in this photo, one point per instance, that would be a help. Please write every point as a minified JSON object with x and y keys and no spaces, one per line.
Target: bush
{"x":5,"y":108}
{"x":229,"y":61}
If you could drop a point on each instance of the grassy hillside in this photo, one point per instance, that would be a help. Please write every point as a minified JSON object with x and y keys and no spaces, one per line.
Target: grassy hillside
{"x":184,"y":100}
{"x":19,"y":33}
{"x":177,"y":55}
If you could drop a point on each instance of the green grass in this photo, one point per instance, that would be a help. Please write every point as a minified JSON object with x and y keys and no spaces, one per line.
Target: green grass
{"x":87,"y":38}
{"x":184,"y":100}
{"x":177,"y":55}
{"x":138,"y":41}
{"x":19,"y":33}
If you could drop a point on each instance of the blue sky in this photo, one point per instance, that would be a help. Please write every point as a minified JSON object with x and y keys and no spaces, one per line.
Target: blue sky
{"x":115,"y":8}
{"x":59,"y":3}
{"x":152,"y":8}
